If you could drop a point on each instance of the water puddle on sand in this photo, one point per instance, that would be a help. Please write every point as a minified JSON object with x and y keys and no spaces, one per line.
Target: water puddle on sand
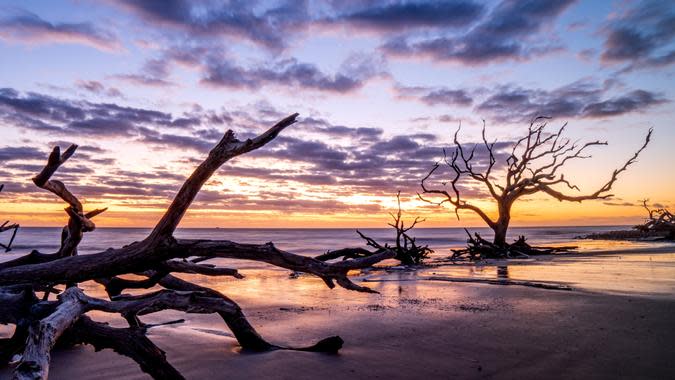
{"x":644,"y":274}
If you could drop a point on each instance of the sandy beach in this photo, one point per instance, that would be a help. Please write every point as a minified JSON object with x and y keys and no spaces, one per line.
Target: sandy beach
{"x":417,"y":328}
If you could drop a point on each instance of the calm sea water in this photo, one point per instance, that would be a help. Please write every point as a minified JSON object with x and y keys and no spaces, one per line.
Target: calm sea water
{"x":301,"y":241}
{"x":645,"y":268}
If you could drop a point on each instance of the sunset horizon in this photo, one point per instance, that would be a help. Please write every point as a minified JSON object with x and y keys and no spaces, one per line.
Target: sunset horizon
{"x":376,"y":111}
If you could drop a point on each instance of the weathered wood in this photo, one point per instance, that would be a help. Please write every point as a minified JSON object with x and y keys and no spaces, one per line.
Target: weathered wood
{"x":42,"y":337}
{"x":130,"y":342}
{"x":479,"y":248}
{"x":268,"y":253}
{"x":406,"y":249}
{"x":228,"y":148}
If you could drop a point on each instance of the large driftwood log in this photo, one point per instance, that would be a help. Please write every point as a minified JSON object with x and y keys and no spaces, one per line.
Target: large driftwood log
{"x":43,"y":334}
{"x":42,"y":323}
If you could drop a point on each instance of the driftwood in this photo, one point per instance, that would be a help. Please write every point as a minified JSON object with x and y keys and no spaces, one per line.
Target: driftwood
{"x":479,"y":248}
{"x":660,"y":225}
{"x":406,"y":248}
{"x":7,"y":226}
{"x":41,"y":323}
{"x":660,"y":222}
{"x":533,"y":166}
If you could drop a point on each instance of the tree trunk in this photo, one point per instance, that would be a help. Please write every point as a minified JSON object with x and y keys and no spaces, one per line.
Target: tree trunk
{"x":502,"y":224}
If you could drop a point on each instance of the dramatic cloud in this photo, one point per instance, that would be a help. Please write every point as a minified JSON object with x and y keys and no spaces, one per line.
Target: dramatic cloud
{"x":28,"y":27}
{"x":510,"y":31}
{"x":642,"y":37}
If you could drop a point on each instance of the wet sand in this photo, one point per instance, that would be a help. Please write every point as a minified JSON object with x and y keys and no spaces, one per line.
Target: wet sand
{"x":413,"y":329}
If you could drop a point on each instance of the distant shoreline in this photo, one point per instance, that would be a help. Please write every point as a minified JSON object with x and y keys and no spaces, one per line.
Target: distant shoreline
{"x":354,"y":228}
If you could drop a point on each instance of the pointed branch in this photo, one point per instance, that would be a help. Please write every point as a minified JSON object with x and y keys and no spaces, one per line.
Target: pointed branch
{"x":228,"y":148}
{"x":603,"y":191}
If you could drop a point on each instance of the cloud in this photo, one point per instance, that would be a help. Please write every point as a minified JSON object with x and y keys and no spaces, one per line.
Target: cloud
{"x":326,"y":128}
{"x":308,"y":163}
{"x":143,"y":80}
{"x":641,"y":37}
{"x":264,"y":25}
{"x":511,"y":103}
{"x":292,"y":73}
{"x":637,"y":100}
{"x":445,"y":96}
{"x":510,"y":31}
{"x":19,"y":153}
{"x":435,"y":96}
{"x":29,"y":27}
{"x":98,"y":88}
{"x":76,"y":117}
{"x":620,"y":204}
{"x":394,"y":16}
{"x":155,"y":72}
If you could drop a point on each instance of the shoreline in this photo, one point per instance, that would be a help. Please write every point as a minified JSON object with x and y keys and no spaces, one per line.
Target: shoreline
{"x":413,"y":330}
{"x":420,"y":325}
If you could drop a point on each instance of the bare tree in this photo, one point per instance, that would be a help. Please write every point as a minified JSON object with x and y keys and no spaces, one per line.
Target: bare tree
{"x":7,"y":226}
{"x":41,"y":322}
{"x":533,"y":166}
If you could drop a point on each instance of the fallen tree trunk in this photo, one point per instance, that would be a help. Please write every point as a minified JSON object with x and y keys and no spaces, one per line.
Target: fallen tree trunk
{"x":42,"y":323}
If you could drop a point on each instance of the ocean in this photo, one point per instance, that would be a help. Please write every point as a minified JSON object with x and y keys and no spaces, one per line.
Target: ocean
{"x":304,"y":241}
{"x":644,"y":268}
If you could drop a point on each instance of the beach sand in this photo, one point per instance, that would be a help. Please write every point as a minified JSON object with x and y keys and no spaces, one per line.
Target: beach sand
{"x":412,"y":330}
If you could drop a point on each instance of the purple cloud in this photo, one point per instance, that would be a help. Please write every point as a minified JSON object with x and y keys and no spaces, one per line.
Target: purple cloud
{"x":237,"y":19}
{"x":642,"y":36}
{"x":290,"y":73}
{"x":510,"y":31}
{"x":29,"y":27}
{"x":394,"y":16}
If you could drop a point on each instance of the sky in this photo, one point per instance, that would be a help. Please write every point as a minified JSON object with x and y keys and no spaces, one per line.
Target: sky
{"x":145,"y":88}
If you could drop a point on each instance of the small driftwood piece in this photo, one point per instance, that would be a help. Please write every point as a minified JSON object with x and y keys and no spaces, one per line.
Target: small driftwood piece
{"x":42,"y":324}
